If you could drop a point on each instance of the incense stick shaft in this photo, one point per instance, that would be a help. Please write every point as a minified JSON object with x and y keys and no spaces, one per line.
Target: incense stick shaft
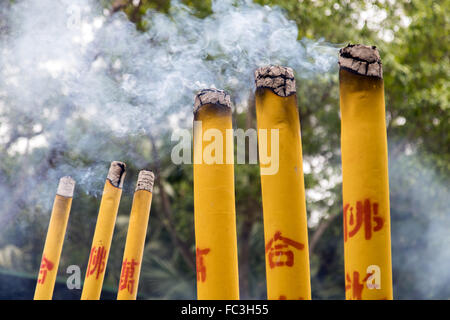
{"x":103,"y":234}
{"x":214,"y":208}
{"x":55,"y":239}
{"x":367,"y":243}
{"x":137,"y":231}
{"x":283,"y":197}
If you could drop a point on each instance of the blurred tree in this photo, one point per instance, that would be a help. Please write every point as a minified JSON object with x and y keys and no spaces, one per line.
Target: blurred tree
{"x":412,"y":36}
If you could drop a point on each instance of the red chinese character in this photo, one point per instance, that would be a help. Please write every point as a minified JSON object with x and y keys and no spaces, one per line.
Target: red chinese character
{"x":364,"y":215}
{"x":96,"y":261}
{"x":276,"y":248}
{"x":127,"y":275}
{"x":354,"y":284}
{"x":201,"y":268}
{"x":46,"y":265}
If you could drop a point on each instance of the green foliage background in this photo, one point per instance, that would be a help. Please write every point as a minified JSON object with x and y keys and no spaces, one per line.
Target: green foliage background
{"x":413,"y":40}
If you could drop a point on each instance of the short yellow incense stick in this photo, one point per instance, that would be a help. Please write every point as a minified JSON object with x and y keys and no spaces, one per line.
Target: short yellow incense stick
{"x":214,"y":199}
{"x":55,"y":239}
{"x":283,"y":191}
{"x":137,"y":230}
{"x":103,"y":232}
{"x":367,"y":239}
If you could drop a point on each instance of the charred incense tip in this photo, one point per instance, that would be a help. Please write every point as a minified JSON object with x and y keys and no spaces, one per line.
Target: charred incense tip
{"x":361,"y":59}
{"x":116,"y":173}
{"x":212,"y":96}
{"x":65,"y":187}
{"x":145,"y":180}
{"x":276,"y":78}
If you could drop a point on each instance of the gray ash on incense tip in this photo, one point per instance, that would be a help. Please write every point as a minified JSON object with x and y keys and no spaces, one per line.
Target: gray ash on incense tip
{"x":361,"y":59}
{"x":212,"y":96}
{"x":66,"y":187}
{"x":116,"y":173}
{"x":145,"y":180}
{"x":279,"y":79}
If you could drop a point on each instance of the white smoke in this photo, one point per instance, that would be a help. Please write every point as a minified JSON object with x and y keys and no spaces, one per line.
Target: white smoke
{"x":79,"y":82}
{"x":420,"y":218}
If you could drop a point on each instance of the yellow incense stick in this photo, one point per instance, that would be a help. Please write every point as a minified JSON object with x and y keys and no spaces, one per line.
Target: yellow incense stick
{"x":55,"y":239}
{"x":103,"y":232}
{"x":214,"y":199}
{"x":283,"y":191}
{"x":137,"y":230}
{"x":367,"y":239}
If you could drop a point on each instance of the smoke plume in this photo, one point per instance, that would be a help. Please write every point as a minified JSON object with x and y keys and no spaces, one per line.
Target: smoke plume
{"x":77,"y":82}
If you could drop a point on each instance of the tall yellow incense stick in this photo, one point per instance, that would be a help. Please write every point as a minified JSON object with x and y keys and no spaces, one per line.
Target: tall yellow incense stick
{"x":283,"y":191}
{"x":103,"y":232}
{"x":214,"y":200}
{"x":367,"y":239}
{"x":137,"y":230}
{"x":55,"y":239}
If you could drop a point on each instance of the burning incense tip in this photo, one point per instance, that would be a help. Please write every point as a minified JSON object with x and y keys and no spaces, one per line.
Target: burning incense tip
{"x":145,"y":180}
{"x":361,"y":59}
{"x":212,"y":96}
{"x":65,"y":187}
{"x":276,"y":78}
{"x":116,"y":173}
